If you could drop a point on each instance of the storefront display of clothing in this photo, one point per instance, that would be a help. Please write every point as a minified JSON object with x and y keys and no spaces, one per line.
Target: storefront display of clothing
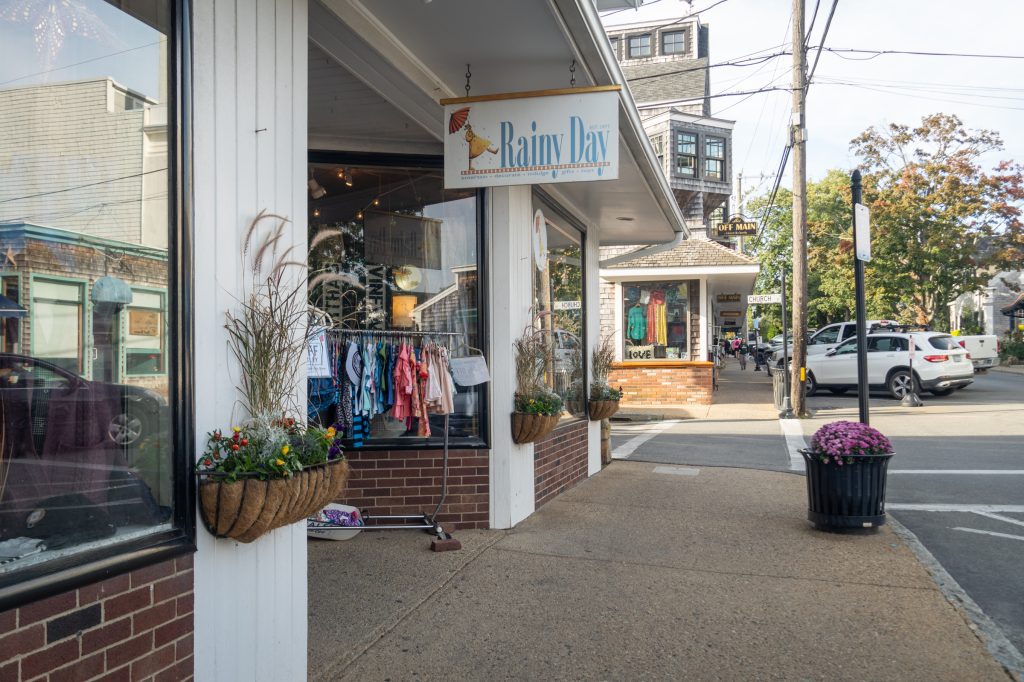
{"x":656,"y":319}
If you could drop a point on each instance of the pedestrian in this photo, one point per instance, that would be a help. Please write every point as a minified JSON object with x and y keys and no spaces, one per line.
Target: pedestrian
{"x":742,"y":357}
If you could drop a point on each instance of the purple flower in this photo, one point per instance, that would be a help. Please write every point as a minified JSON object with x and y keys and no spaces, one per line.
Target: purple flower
{"x":846,"y":440}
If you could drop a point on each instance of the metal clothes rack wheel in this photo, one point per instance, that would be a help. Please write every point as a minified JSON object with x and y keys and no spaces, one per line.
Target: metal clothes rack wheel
{"x":425,"y":522}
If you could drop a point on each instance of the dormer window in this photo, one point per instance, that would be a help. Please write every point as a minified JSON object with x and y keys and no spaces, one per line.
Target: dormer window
{"x":640,"y":46}
{"x":673,"y":42}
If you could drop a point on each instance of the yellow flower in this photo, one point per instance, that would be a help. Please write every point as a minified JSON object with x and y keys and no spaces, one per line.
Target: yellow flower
{"x":279,"y":462}
{"x":284,"y":451}
{"x":331,"y":433}
{"x":236,"y":429}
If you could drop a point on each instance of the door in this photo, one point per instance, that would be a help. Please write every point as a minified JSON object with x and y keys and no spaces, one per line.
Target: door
{"x":106,"y":325}
{"x":884,"y":353}
{"x":838,"y":368}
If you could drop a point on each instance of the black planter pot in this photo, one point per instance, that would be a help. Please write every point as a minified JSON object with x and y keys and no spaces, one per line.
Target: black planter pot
{"x":846,"y":497}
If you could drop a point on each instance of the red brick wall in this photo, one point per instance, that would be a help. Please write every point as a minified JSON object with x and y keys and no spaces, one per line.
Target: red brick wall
{"x":659,"y":384}
{"x":135,"y":626}
{"x":559,"y":461}
{"x":409,"y":482}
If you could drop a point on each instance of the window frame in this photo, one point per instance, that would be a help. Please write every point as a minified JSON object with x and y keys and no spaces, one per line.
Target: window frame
{"x":431,"y":162}
{"x":678,"y":154}
{"x":164,"y":336}
{"x":718,"y":175}
{"x":672,"y":34}
{"x":77,"y":569}
{"x":639,"y":37}
{"x":620,"y":299}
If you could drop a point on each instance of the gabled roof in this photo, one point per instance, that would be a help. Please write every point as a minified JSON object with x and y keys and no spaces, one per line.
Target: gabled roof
{"x":667,"y":81}
{"x":690,"y":253}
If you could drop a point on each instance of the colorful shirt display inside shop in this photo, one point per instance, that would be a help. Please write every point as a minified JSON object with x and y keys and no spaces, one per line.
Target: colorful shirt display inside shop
{"x":656,"y":316}
{"x":656,"y":319}
{"x":637,"y":324}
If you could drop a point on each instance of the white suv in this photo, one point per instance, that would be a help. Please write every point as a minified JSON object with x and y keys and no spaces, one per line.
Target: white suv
{"x":827,"y":338}
{"x":939,"y":364}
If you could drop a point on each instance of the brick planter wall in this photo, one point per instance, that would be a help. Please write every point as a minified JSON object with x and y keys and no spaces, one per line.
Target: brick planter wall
{"x":409,"y":482}
{"x":135,"y":626}
{"x":661,"y":384}
{"x":559,"y":461}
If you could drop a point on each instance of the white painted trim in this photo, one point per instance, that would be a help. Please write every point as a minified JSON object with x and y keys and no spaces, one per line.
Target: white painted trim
{"x":619,"y":328}
{"x":688,"y":272}
{"x":794,"y":435}
{"x":592,"y":314}
{"x":705,"y":340}
{"x":625,"y":450}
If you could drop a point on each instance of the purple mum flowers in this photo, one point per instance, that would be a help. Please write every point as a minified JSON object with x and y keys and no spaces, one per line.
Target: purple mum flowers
{"x":842,"y":441}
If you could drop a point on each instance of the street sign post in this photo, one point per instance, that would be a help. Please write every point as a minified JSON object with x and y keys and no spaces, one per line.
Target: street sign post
{"x":861,"y":246}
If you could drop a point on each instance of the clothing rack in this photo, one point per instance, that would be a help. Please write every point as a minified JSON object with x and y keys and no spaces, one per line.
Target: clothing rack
{"x":424,"y":521}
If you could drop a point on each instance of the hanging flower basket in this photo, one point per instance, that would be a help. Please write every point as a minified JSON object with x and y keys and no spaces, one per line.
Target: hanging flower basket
{"x":247,"y":508}
{"x":530,"y":428}
{"x":602,"y":409}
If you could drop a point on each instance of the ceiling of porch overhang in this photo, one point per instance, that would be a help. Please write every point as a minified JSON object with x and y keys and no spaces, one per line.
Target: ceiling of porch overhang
{"x":402,"y":57}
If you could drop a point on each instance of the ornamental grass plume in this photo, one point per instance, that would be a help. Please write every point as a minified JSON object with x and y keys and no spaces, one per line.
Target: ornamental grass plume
{"x":843,"y":442}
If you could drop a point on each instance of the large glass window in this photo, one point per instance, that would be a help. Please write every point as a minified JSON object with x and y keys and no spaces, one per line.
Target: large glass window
{"x":673,"y":42}
{"x":686,"y":154}
{"x":714,"y":158}
{"x":558,"y":301}
{"x":655,"y":319}
{"x":86,"y":447}
{"x":407,"y":260}
{"x":639,"y":46}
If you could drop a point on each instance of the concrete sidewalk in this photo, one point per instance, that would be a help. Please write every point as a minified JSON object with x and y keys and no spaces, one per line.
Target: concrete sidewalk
{"x":644,"y":571}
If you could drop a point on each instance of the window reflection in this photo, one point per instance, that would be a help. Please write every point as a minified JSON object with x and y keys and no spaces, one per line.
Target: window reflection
{"x":85,"y":451}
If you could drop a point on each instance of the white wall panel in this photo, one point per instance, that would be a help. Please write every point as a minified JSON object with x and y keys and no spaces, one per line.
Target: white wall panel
{"x":249,"y":140}
{"x":592,"y":296}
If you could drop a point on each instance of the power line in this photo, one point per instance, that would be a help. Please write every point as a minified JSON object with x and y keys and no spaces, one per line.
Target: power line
{"x":91,"y":184}
{"x":897,"y":91}
{"x":824,"y":35}
{"x":84,"y":61}
{"x":877,"y":53}
{"x":740,"y":61}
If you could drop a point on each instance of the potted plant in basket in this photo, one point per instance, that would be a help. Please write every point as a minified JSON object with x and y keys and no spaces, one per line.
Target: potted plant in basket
{"x":537,"y":407}
{"x":271,"y":470}
{"x":604,"y":400}
{"x":846,"y":470}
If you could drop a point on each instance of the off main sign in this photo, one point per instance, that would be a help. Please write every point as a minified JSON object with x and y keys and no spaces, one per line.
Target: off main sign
{"x":761,"y":299}
{"x":737,"y":227}
{"x":530,"y":138}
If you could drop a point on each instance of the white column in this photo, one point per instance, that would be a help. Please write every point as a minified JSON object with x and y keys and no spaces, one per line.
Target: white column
{"x":509,"y":217}
{"x":592,"y":298}
{"x":249,"y":75}
{"x":705,"y":315}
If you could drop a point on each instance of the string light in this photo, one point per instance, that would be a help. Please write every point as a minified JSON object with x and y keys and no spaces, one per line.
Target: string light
{"x":316,"y":212}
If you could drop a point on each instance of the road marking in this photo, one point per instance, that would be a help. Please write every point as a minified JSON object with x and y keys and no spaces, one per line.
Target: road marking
{"x":1001,"y":648}
{"x":990,"y":532}
{"x":630,"y":446}
{"x":795,"y":442}
{"x":961,"y":472}
{"x":967,"y":508}
{"x":997,"y":517}
{"x":677,"y":471}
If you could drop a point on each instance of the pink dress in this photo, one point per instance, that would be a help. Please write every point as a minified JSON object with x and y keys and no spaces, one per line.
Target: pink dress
{"x":404,"y":386}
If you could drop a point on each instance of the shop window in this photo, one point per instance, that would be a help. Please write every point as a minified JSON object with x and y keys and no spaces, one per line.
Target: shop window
{"x":655,"y":318}
{"x":686,"y":154}
{"x":144,"y":338}
{"x":88,"y":453}
{"x":714,"y":158}
{"x":639,"y":46}
{"x":658,"y":142}
{"x":558,"y":301}
{"x":615,"y":46}
{"x":407,"y":260}
{"x":717,"y":217}
{"x":673,"y":42}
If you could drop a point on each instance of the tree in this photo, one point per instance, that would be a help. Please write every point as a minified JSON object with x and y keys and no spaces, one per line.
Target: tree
{"x":940,"y":222}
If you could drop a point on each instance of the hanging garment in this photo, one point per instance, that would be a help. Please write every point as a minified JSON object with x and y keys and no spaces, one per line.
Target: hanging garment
{"x":636,"y":328}
{"x":322,"y":396}
{"x":403,"y":385}
{"x":656,"y":312}
{"x":422,"y":378}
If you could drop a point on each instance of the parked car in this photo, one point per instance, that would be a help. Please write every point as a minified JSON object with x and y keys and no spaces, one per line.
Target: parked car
{"x":984,"y":350}
{"x":130,"y":413}
{"x":940,"y":365}
{"x":827,"y":338}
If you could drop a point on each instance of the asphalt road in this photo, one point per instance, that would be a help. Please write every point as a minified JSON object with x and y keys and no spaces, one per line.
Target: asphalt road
{"x":956,"y":481}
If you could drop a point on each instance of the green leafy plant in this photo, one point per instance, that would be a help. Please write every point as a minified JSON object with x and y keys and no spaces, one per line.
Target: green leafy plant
{"x":601,"y":359}
{"x":605,"y":392}
{"x":549,"y":404}
{"x":532,"y":353}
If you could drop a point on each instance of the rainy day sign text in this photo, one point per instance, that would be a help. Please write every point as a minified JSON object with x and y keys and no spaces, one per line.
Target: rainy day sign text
{"x":532,"y":138}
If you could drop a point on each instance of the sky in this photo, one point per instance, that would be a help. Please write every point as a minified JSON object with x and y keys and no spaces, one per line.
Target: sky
{"x":984,"y":93}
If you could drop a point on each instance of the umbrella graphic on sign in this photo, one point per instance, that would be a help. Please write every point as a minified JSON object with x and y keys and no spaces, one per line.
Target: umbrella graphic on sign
{"x":477,"y":145}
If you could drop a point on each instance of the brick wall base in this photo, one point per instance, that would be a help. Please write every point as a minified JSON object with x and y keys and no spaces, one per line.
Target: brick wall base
{"x":135,"y":626}
{"x":688,"y":384}
{"x":559,"y":461}
{"x":409,"y":482}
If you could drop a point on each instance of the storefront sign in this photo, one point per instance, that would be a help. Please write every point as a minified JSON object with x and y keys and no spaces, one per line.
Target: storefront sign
{"x":143,"y":323}
{"x":640,"y":352}
{"x":738,"y":227}
{"x":396,"y":239}
{"x":728,"y":298}
{"x":318,"y":364}
{"x":729,"y":313}
{"x":529,"y":138}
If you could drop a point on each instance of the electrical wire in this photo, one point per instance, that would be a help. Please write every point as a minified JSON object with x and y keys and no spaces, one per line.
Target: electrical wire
{"x":91,"y":184}
{"x":878,"y":53}
{"x":70,"y":66}
{"x":750,"y":61}
{"x":824,"y":35}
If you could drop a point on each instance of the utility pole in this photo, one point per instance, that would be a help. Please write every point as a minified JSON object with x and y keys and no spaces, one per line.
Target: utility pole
{"x":739,"y":203}
{"x":798,"y":135}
